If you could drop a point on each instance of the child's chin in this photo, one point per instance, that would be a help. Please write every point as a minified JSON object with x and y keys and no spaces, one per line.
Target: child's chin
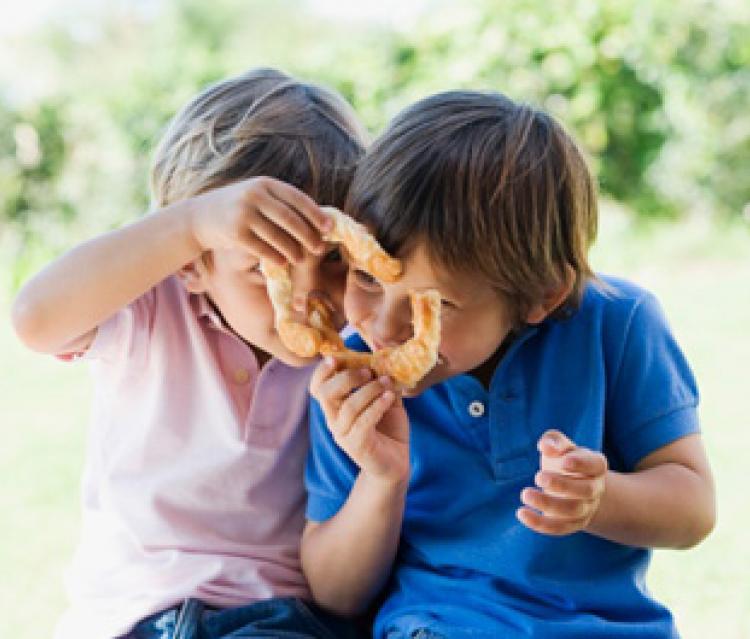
{"x":295,"y":361}
{"x":420,"y":388}
{"x":412,"y":392}
{"x":435,"y":376}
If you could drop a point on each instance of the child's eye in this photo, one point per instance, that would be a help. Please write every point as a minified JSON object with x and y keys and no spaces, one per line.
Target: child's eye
{"x":365,"y":280}
{"x":334,"y":255}
{"x":448,"y":308}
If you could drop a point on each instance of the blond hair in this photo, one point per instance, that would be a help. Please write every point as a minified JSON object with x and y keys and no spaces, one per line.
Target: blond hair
{"x":261,"y":123}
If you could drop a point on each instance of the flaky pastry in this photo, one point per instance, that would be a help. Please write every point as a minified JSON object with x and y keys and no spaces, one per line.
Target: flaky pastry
{"x":407,"y":363}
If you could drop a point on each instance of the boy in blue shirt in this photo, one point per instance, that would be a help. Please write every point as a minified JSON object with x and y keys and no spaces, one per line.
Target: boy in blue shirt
{"x":517,"y":490}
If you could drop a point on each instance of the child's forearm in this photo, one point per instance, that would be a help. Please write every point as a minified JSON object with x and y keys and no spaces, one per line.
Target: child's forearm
{"x":78,"y":291}
{"x":667,"y":506}
{"x":348,"y":558}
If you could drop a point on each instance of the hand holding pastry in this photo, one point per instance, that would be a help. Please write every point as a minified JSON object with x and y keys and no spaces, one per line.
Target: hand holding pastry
{"x":268,"y":218}
{"x":366,"y":418}
{"x":407,"y":363}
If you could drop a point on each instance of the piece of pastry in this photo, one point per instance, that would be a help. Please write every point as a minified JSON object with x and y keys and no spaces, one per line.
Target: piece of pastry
{"x":407,"y":363}
{"x":362,"y":248}
{"x":412,"y":360}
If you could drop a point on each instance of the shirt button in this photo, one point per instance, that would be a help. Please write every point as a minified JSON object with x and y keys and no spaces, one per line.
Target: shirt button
{"x":241,"y":376}
{"x":476,"y":409}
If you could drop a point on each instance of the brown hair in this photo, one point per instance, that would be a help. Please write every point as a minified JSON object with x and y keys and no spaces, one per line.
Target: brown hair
{"x":493,"y":188}
{"x":261,"y":123}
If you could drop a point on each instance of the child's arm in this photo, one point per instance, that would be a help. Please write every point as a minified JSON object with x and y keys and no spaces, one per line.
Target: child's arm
{"x":348,"y":557}
{"x":668,"y":501}
{"x":60,"y":308}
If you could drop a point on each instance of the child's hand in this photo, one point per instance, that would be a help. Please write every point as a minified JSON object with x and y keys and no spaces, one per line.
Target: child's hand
{"x":572,"y":484}
{"x":367,"y":419}
{"x":266,"y":217}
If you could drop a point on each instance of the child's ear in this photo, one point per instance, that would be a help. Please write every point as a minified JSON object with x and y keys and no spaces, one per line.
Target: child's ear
{"x":553,"y":299}
{"x":194,"y":276}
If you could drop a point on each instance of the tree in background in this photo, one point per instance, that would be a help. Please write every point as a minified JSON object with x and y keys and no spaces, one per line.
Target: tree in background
{"x":658,"y":97}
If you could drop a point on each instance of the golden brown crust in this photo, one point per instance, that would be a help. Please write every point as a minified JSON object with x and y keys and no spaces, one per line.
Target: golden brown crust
{"x":302,"y":340}
{"x":412,"y":360}
{"x":320,"y":319}
{"x":407,"y":363}
{"x":362,"y":247}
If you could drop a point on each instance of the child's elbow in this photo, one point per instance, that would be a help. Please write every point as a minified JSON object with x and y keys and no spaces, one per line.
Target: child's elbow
{"x":703,"y":529}
{"x":702,"y":524}
{"x":332,"y":597}
{"x":326,"y":587}
{"x":337,"y":603}
{"x":28,"y":323}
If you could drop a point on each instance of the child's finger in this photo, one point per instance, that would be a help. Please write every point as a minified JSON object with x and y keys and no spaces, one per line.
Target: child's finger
{"x":546,"y":526}
{"x":277,"y":237}
{"x":566,"y":486}
{"x":554,"y":443}
{"x":363,"y":428}
{"x":583,"y":461}
{"x":259,"y":248}
{"x":323,"y":372}
{"x":302,"y":204}
{"x":557,"y":507}
{"x":290,"y":222}
{"x":339,"y":386}
{"x":356,"y":404}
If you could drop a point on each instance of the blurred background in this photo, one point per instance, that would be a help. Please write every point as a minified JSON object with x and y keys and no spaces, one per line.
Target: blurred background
{"x":658,"y":95}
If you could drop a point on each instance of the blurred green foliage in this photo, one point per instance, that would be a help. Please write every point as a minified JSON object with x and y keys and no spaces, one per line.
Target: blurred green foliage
{"x":658,"y":96}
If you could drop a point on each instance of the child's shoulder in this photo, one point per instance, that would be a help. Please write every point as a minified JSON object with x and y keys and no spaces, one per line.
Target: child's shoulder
{"x":172,"y":302}
{"x":618,"y":308}
{"x":617,"y":300}
{"x":614,"y":291}
{"x":162,"y":315}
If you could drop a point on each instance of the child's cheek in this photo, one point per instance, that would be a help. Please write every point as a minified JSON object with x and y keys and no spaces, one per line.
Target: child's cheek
{"x":354,"y":306}
{"x":334,"y":283}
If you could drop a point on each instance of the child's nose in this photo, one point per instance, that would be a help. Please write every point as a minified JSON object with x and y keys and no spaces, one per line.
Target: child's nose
{"x":304,"y":282}
{"x":392,"y":326}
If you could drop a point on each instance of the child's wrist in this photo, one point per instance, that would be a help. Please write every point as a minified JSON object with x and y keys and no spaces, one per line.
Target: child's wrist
{"x":594,"y":524}
{"x":387,"y":487}
{"x":190,"y":214}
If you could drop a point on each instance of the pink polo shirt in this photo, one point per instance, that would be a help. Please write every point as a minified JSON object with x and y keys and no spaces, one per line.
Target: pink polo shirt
{"x":193,"y":485}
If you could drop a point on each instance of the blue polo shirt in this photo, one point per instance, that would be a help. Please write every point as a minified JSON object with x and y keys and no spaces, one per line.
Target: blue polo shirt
{"x":613,"y":379}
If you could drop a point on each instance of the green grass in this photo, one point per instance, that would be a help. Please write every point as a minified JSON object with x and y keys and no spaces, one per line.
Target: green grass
{"x":702,"y":276}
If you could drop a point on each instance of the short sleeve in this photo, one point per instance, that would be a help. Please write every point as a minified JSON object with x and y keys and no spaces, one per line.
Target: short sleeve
{"x":330,"y":473}
{"x":653,"y":397}
{"x":126,"y":334}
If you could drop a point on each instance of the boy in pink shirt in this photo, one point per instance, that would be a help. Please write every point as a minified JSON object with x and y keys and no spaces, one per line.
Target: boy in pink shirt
{"x":193,"y":498}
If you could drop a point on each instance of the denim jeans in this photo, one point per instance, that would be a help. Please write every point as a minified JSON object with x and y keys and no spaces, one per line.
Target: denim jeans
{"x":283,"y":618}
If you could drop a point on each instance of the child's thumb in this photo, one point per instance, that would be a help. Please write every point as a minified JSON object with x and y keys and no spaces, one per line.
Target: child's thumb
{"x":554,"y":444}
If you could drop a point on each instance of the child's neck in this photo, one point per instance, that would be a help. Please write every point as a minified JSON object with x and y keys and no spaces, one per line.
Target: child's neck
{"x":260,"y":355}
{"x":486,"y":370}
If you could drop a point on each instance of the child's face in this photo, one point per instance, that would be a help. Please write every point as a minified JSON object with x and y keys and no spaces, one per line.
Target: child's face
{"x":474,"y":319}
{"x":238,"y":290}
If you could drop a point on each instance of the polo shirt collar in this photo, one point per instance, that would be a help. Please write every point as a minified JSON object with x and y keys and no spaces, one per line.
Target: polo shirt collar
{"x":205,"y":312}
{"x":208,"y":316}
{"x":525,"y":333}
